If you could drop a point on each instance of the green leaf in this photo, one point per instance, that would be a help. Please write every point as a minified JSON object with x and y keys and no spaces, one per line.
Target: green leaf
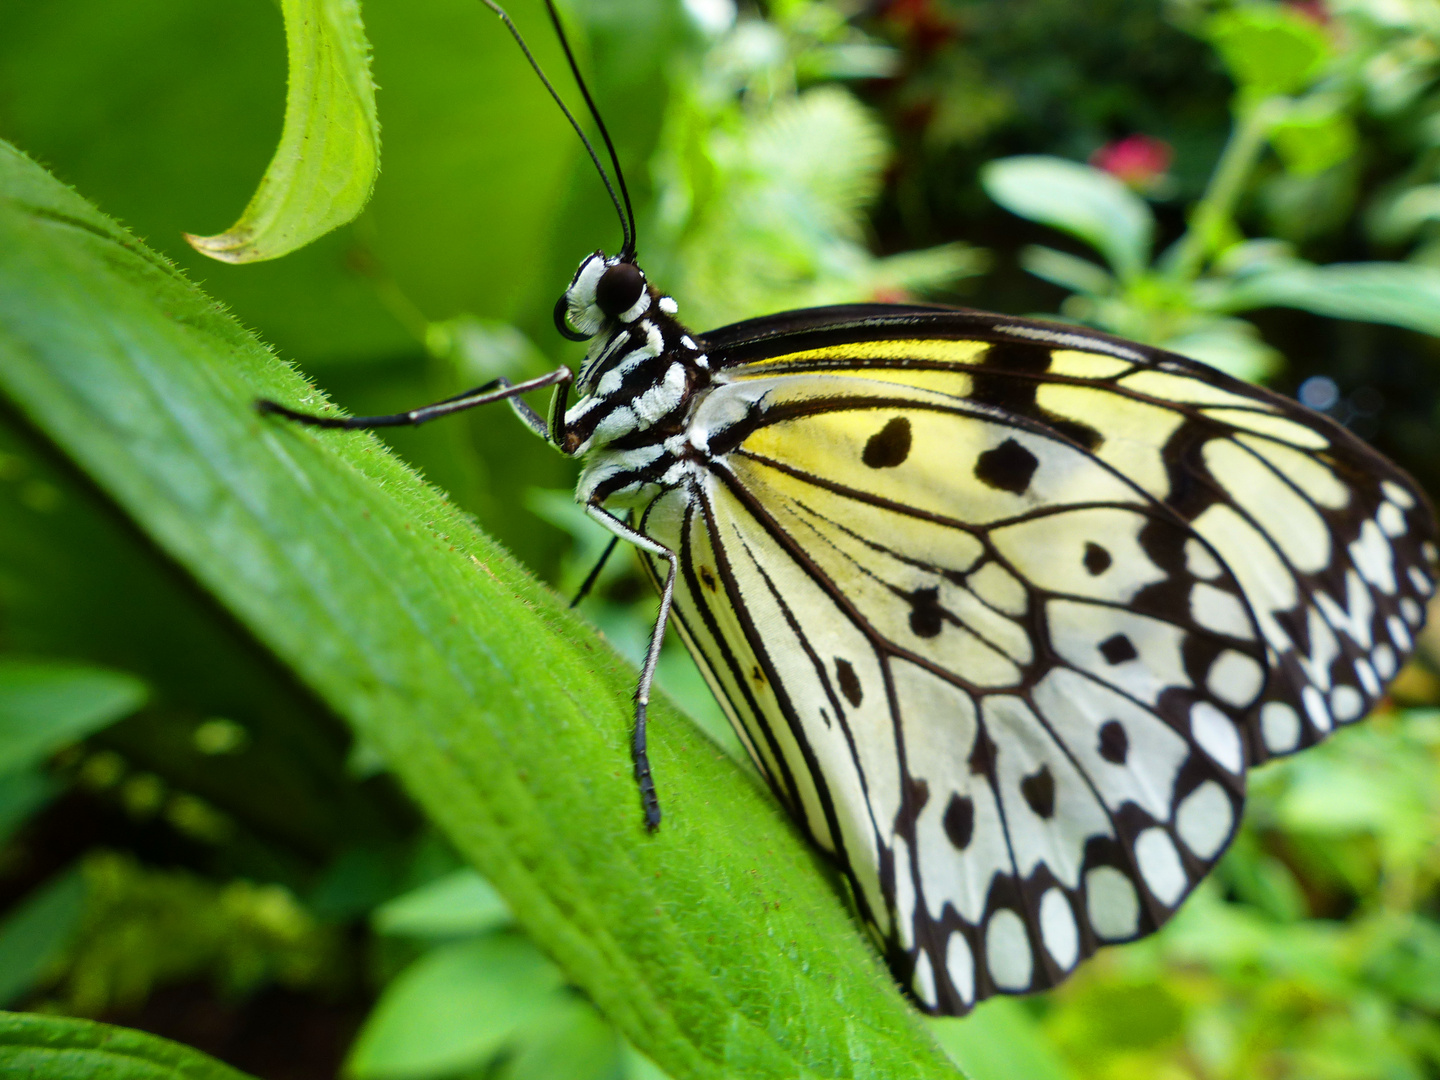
{"x":36,"y":931}
{"x":36,"y":1047}
{"x":1085,"y":202}
{"x":21,"y":794}
{"x":1000,"y":1041}
{"x":459,"y":903}
{"x":1400,"y":294}
{"x":1398,"y":218}
{"x":717,"y":946}
{"x":329,"y":152}
{"x":636,"y":1066}
{"x":1066,"y":270}
{"x":1407,"y":966}
{"x":454,"y":1009}
{"x":569,"y":1041}
{"x":1269,"y":49}
{"x":1314,"y":137}
{"x":45,"y":706}
{"x":1232,"y":345}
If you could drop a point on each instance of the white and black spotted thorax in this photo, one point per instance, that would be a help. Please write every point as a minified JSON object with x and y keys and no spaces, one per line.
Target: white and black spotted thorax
{"x":641,"y":378}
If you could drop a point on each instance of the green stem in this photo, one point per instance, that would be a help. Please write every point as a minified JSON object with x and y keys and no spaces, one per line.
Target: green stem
{"x":1217,"y":206}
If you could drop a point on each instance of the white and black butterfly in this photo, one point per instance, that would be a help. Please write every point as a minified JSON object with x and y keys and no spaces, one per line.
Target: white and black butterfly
{"x":1002,"y":610}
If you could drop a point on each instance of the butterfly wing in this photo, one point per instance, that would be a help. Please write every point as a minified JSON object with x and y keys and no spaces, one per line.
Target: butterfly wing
{"x":991,"y":700}
{"x":993,"y":613}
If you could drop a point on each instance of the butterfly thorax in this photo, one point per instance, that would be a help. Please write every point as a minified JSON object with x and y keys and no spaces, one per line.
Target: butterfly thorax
{"x":639,"y":382}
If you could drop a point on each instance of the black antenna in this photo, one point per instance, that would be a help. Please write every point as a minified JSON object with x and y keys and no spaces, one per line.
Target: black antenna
{"x":629,"y":250}
{"x":626,"y":215}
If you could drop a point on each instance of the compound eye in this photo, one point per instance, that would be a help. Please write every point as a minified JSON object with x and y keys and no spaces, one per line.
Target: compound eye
{"x":619,"y":288}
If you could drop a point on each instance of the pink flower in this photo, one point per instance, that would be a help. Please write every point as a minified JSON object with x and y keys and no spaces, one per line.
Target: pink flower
{"x":1138,"y":160}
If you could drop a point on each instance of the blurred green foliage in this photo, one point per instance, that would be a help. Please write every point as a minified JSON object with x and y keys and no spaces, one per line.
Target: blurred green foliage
{"x":145,"y":927}
{"x":180,"y":812}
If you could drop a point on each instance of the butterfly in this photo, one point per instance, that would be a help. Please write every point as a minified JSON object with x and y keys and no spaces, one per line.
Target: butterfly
{"x":1004,"y":611}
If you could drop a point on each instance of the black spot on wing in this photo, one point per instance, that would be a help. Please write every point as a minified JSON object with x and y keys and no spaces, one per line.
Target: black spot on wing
{"x":849,"y":681}
{"x":927,"y":617}
{"x":1097,"y":560}
{"x":959,"y":821}
{"x":889,"y":446}
{"x":708,"y":578}
{"x":1074,"y":430}
{"x":1117,"y":649}
{"x":995,"y":384}
{"x":1114,"y":743}
{"x":1007,"y":467}
{"x":982,"y":754}
{"x":1039,"y":791}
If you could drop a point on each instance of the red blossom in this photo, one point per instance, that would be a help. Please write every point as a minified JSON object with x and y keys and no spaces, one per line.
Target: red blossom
{"x":1138,"y":160}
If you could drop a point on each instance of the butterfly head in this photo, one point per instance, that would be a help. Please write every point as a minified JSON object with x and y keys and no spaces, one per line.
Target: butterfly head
{"x":604,"y":289}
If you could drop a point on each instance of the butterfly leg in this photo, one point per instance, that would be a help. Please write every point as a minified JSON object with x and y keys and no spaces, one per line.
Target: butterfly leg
{"x":501,"y":389}
{"x":638,"y":752}
{"x":594,"y":575}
